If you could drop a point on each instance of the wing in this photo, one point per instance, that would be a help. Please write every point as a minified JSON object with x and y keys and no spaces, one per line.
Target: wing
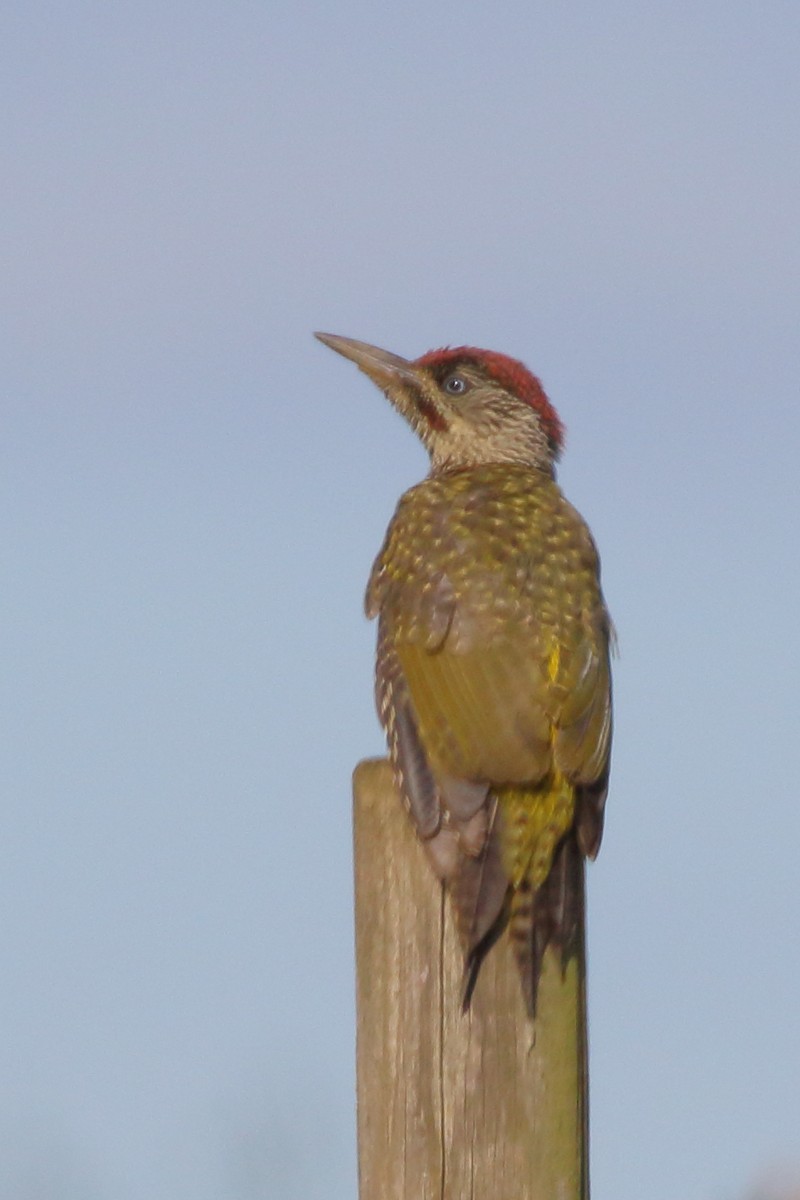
{"x":510,"y":705}
{"x":582,"y":724}
{"x":454,"y":817}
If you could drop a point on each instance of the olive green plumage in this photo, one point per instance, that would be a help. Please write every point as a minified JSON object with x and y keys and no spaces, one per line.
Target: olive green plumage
{"x":492,"y":680}
{"x":494,"y":643}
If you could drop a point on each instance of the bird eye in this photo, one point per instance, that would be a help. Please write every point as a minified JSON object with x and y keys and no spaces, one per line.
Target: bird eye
{"x":455,"y":385}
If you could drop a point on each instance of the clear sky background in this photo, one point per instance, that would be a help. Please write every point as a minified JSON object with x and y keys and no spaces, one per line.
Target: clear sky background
{"x":193,"y":491}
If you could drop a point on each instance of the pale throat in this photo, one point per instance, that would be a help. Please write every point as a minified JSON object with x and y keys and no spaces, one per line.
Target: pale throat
{"x":522,"y":444}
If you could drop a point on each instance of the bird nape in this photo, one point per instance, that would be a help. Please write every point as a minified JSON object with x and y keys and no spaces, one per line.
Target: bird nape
{"x":493,"y":681}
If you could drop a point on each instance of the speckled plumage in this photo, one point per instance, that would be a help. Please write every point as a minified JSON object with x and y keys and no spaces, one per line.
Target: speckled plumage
{"x":487,"y":589}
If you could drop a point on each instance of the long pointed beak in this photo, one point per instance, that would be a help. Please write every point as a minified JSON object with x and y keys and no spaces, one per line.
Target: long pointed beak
{"x":384,"y":368}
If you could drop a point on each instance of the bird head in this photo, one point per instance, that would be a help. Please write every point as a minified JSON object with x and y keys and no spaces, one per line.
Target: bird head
{"x":468,"y":406}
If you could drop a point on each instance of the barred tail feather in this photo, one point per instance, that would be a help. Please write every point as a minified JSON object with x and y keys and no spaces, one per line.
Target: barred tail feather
{"x":549,"y":915}
{"x":479,"y":892}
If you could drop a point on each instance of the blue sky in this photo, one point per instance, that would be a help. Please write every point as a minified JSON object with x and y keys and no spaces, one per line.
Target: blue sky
{"x":193,"y":492}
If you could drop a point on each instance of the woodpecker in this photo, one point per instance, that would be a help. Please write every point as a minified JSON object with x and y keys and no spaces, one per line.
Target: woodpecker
{"x":493,"y":680}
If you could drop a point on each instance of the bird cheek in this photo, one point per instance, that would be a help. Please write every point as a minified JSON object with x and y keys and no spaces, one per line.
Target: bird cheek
{"x":431,"y":415}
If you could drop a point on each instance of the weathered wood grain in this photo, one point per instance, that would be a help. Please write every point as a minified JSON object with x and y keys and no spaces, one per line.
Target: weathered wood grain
{"x":453,"y":1106}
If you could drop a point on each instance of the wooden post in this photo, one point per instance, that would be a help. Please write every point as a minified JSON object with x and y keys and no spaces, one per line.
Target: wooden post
{"x":453,"y":1106}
